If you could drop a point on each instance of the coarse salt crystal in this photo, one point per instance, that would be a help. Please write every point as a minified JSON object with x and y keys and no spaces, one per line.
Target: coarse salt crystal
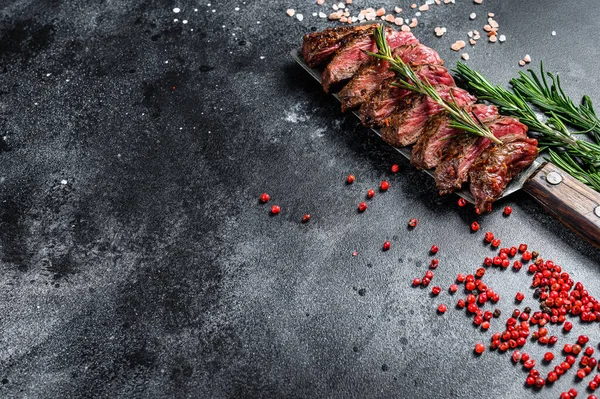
{"x":493,"y":23}
{"x":478,"y":1}
{"x":185,"y":21}
{"x":344,"y":19}
{"x":413,"y":5}
{"x":473,"y":15}
{"x":472,"y":42}
{"x":290,"y":12}
{"x":522,"y":63}
{"x":405,"y":28}
{"x":460,"y":44}
{"x":465,"y":56}
{"x":348,"y":1}
{"x":341,"y":5}
{"x":176,"y":10}
{"x":417,"y":14}
{"x":335,"y":7}
{"x":413,"y":23}
{"x":397,"y":10}
{"x":320,"y":2}
{"x":63,"y":182}
{"x":389,"y":18}
{"x":424,"y":7}
{"x":361,"y":17}
{"x":553,"y":33}
{"x":380,"y":12}
{"x":334,"y":16}
{"x":493,"y":39}
{"x":398,"y":21}
{"x":299,"y":17}
{"x":314,"y":14}
{"x":322,"y":15}
{"x":491,"y":14}
{"x":502,"y":38}
{"x":527,"y":58}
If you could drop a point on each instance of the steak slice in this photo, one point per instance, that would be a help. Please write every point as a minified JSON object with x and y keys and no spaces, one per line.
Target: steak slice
{"x":438,"y":135}
{"x":417,"y":54}
{"x":406,"y":125}
{"x":497,"y":166}
{"x":351,"y":55}
{"x":454,"y":168}
{"x":387,"y":98}
{"x":371,"y":75}
{"x":319,"y":47}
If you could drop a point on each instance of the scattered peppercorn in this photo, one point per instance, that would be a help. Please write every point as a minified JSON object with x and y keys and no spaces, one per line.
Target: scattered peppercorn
{"x":395,"y":168}
{"x":434,"y":263}
{"x":496,"y":242}
{"x":479,"y":348}
{"x":442,"y":308}
{"x":434,"y":249}
{"x":362,"y":206}
{"x":548,"y":356}
{"x":462,"y":202}
{"x":413,"y":222}
{"x":350,"y":179}
{"x":370,"y":193}
{"x":453,"y":288}
{"x":386,"y":245}
{"x":275,"y":209}
{"x":416,"y":282}
{"x":526,"y":256}
{"x":264,"y":198}
{"x":519,"y":297}
{"x":507,"y":210}
{"x":436,"y":290}
{"x":384,"y":185}
{"x":522,"y":248}
{"x":475,"y":226}
{"x":489,"y":236}
{"x":497,"y":313}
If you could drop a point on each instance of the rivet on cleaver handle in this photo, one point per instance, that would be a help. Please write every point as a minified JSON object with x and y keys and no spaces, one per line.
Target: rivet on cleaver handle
{"x":573,"y":203}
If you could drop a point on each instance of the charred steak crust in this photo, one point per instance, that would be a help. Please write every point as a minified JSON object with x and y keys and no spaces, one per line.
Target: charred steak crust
{"x":497,"y":166}
{"x":405,"y":126}
{"x":362,"y":86}
{"x":387,"y":98}
{"x":351,"y":55}
{"x":319,"y":47}
{"x":438,"y":136}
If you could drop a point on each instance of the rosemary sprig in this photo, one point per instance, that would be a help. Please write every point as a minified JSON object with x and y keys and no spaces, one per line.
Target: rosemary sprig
{"x":461,"y":119}
{"x":580,"y":158}
{"x":551,"y":99}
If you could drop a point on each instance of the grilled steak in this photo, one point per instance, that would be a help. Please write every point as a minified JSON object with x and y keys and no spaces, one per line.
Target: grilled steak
{"x":463,"y":152}
{"x":319,"y":47}
{"x":417,"y":54}
{"x":497,"y":166}
{"x":351,"y":55}
{"x":406,"y":125}
{"x":438,"y":136}
{"x":387,"y":98}
{"x":371,"y":75}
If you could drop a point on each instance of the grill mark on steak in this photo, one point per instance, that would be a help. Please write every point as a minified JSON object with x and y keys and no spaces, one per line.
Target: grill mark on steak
{"x":438,"y":135}
{"x":319,"y":47}
{"x":406,"y":125}
{"x":387,"y":98}
{"x":453,"y":171}
{"x":497,"y":166}
{"x":351,"y":55}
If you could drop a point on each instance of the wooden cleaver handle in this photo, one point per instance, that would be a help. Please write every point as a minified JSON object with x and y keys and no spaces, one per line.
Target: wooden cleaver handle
{"x":573,"y":203}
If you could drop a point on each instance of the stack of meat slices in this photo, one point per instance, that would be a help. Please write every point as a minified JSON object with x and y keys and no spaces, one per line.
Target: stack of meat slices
{"x":407,"y":118}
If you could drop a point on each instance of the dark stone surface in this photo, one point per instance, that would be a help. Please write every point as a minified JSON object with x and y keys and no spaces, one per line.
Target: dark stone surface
{"x":155,"y":272}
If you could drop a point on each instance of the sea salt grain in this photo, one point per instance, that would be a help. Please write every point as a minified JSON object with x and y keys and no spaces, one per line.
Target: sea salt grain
{"x":553,"y":33}
{"x":299,"y":17}
{"x":290,"y":12}
{"x":502,"y":38}
{"x":176,"y":10}
{"x":473,"y":15}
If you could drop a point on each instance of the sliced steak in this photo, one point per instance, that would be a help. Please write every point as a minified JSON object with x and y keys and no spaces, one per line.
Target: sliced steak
{"x":365,"y":83}
{"x":387,"y":98}
{"x":438,"y":135}
{"x":319,"y":47}
{"x":371,"y":75}
{"x":351,"y":55}
{"x":406,"y":125}
{"x":497,"y":166}
{"x":417,"y":54}
{"x":454,"y":168}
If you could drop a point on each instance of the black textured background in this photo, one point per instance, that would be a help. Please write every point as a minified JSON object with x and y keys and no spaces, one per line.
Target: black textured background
{"x":155,"y":272}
